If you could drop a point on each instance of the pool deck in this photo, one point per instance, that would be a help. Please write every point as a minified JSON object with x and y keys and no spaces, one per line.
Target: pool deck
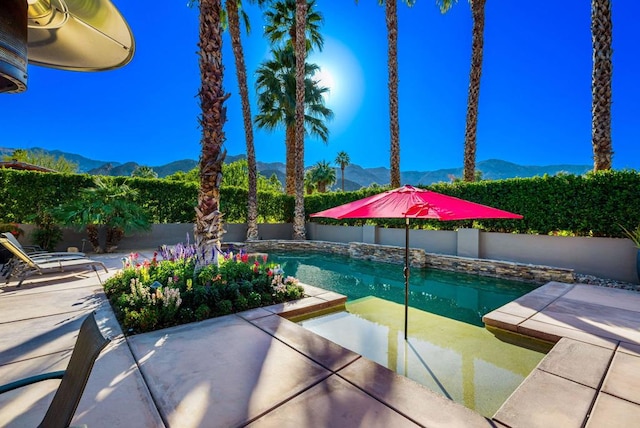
{"x":257,"y":368}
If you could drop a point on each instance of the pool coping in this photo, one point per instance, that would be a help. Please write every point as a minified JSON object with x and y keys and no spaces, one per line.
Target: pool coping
{"x":591,"y":375}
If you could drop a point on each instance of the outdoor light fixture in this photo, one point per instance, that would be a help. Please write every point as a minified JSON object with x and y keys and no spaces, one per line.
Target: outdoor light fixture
{"x":77,"y":35}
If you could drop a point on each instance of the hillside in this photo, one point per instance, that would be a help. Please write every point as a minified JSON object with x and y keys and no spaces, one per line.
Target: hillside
{"x":355,"y":175}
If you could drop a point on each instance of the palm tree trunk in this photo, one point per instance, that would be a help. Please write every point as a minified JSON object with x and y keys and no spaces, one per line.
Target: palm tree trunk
{"x":300,"y":44}
{"x":208,"y":227}
{"x":602,"y":74}
{"x":477,"y":48}
{"x":394,"y":123}
{"x":290,"y":168}
{"x":241,"y":73}
{"x":342,"y":171}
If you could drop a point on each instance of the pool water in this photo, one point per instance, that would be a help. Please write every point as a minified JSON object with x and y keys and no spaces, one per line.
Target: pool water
{"x":448,"y":349}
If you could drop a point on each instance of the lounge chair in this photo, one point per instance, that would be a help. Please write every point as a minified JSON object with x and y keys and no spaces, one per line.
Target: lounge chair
{"x":35,"y":252}
{"x":29,"y":265}
{"x":88,"y":346}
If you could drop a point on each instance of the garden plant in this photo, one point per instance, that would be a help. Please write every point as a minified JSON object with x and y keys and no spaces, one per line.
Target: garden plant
{"x":151,"y":294}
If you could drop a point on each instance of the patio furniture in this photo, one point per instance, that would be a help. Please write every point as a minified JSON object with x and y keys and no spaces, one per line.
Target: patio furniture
{"x":88,"y":346}
{"x":34,"y":251}
{"x":28,"y":265}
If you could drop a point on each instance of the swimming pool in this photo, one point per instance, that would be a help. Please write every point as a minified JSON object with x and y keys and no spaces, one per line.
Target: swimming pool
{"x":448,"y":349}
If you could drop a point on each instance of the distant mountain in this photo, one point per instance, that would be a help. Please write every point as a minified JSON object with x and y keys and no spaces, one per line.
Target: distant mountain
{"x":355,"y":175}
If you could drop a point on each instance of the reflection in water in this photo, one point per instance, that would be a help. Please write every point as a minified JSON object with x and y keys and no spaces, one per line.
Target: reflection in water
{"x":463,"y":362}
{"x":448,"y":350}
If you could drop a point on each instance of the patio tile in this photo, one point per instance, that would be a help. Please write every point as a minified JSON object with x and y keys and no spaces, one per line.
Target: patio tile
{"x":31,"y":338}
{"x":623,"y":378}
{"x":333,"y":403}
{"x":115,"y":383}
{"x":301,"y":306}
{"x":48,"y":301}
{"x":629,"y":348}
{"x":410,"y":398}
{"x":315,"y":347}
{"x":528,"y":305}
{"x":554,"y":288}
{"x":604,"y":296}
{"x":603,"y":321}
{"x":224,"y":370}
{"x":544,"y":400}
{"x":553,"y":333}
{"x":331,"y":296}
{"x":503,"y":320}
{"x":613,"y":412}
{"x":253,"y":314}
{"x":562,"y":361}
{"x":312,"y":291}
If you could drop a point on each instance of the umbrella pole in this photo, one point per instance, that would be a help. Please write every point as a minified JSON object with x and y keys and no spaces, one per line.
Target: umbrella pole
{"x":406,"y":277}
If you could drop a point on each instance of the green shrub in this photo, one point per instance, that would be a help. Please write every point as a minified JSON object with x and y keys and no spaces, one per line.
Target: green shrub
{"x":151,"y":294}
{"x":595,"y":204}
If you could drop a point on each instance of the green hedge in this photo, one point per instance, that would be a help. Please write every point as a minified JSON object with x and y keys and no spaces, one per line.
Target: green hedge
{"x":595,"y":204}
{"x":591,"y":205}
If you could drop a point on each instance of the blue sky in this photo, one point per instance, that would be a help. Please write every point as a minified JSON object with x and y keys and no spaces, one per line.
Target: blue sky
{"x":535,"y":100}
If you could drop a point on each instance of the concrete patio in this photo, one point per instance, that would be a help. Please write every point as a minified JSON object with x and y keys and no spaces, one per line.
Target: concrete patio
{"x":259,"y":369}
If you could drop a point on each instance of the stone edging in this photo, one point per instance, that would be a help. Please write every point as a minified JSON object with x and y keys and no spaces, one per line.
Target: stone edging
{"x":420,"y":259}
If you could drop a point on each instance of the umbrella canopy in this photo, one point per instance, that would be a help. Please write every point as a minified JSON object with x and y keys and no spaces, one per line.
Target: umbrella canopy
{"x":411,"y":202}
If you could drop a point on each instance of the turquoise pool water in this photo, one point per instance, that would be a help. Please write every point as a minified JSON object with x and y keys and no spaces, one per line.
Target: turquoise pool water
{"x":448,"y":349}
{"x":457,"y":296}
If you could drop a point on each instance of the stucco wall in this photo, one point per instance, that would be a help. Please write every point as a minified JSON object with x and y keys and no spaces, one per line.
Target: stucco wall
{"x":603,"y":257}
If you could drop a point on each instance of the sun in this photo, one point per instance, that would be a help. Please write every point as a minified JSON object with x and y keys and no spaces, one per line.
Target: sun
{"x":325,"y":79}
{"x":339,"y":71}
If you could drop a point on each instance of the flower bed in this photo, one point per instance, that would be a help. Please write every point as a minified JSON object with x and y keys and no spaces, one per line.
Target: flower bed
{"x":151,"y":294}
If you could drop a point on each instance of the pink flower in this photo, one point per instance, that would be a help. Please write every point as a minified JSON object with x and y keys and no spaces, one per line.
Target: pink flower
{"x":264,"y":258}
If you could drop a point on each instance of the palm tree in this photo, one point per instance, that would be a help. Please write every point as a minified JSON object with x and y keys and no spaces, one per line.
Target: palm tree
{"x":144,"y":171}
{"x":208,"y":228}
{"x":309,"y":184}
{"x":601,"y":35}
{"x":477,"y":50}
{"x":280,"y":24}
{"x":391,"y":15}
{"x":300,"y":45}
{"x":323,"y":175}
{"x":241,"y":74}
{"x":276,"y":84}
{"x":391,"y":18}
{"x":343,"y":160}
{"x":280,"y":28}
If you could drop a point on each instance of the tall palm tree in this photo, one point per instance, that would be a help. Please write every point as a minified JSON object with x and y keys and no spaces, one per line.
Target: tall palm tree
{"x":323,"y":175}
{"x":601,"y":77}
{"x":391,"y":18}
{"x":300,"y":44}
{"x":343,"y":161}
{"x":276,"y":84}
{"x":280,"y":29}
{"x":477,"y":50}
{"x":208,"y":226}
{"x":280,"y":24}
{"x":391,"y":15}
{"x":233,"y":21}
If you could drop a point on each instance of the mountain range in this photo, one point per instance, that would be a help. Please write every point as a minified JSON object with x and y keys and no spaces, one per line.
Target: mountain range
{"x":355,"y":175}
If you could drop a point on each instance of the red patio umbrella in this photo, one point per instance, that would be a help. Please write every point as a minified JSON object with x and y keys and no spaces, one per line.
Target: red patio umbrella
{"x":411,"y":202}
